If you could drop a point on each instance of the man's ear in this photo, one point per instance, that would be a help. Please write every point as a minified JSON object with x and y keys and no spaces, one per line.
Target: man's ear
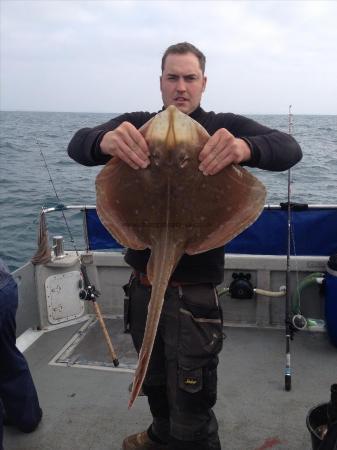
{"x":160,"y":82}
{"x":204,"y":84}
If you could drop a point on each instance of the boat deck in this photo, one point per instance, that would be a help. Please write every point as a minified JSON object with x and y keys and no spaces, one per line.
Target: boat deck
{"x":86,"y":408}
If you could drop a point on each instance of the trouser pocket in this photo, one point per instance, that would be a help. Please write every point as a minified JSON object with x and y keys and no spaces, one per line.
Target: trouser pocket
{"x":197,"y":388}
{"x":201,"y":331}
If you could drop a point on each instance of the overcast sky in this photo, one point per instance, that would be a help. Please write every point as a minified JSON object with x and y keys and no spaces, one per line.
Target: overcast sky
{"x":104,"y":56}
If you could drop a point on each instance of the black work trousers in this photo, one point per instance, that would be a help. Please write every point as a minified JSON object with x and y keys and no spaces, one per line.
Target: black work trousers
{"x":181,"y":382}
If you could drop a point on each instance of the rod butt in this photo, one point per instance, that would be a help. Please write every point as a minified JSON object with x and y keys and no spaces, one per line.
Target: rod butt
{"x":287,"y":382}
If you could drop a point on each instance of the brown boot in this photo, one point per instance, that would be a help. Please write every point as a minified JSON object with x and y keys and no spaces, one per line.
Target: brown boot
{"x":141,"y":441}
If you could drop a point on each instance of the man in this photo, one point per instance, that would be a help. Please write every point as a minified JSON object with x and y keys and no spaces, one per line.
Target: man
{"x":181,"y":379}
{"x":19,"y":404}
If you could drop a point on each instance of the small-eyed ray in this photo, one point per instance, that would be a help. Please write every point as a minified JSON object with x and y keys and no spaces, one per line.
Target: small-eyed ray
{"x":172,"y":208}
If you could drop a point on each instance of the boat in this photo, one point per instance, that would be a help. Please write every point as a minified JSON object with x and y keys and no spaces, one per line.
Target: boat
{"x":84,"y":395}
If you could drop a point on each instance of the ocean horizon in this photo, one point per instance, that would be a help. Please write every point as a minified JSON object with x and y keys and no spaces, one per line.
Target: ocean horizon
{"x":25,"y":187}
{"x":118,"y":113}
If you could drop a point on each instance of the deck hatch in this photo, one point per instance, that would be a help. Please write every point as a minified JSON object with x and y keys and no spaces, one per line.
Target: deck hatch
{"x":87,"y":347}
{"x":62,"y":294}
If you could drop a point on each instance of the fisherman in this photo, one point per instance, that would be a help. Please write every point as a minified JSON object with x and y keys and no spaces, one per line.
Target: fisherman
{"x":181,"y":381}
{"x":19,"y":404}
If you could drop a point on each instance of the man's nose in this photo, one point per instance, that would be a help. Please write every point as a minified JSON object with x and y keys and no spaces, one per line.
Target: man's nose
{"x":181,"y":84}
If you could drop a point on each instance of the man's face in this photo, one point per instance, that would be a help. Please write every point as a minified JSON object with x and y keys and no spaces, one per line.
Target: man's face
{"x":182,"y":82}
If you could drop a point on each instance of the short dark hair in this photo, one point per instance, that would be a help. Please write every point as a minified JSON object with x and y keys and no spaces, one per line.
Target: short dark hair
{"x":182,"y":48}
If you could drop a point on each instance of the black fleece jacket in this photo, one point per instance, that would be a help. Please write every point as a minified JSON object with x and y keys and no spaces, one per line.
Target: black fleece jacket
{"x":270,"y":150}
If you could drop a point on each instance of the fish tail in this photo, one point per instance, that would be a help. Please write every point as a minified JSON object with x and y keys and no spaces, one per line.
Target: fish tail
{"x":164,"y":261}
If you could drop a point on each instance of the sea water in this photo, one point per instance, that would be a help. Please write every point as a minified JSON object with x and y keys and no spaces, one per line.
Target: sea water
{"x":25,"y":185}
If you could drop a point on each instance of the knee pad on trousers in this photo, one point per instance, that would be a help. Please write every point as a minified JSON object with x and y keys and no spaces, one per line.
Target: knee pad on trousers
{"x":157,"y":399}
{"x":193,"y":427}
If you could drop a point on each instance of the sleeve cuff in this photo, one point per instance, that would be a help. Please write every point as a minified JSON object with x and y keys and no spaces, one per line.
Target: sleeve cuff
{"x":97,"y":154}
{"x":254,"y":153}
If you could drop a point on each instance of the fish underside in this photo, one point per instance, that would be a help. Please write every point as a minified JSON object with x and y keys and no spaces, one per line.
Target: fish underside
{"x":172,"y":208}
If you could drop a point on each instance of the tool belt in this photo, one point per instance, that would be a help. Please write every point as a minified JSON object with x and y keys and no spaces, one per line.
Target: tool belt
{"x":143,"y":279}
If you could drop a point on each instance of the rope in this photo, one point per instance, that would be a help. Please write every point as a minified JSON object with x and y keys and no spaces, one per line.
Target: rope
{"x":43,"y":252}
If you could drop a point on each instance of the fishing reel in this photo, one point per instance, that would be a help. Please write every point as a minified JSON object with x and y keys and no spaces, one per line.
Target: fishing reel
{"x":299,"y":322}
{"x":88,"y":292}
{"x":85,"y":294}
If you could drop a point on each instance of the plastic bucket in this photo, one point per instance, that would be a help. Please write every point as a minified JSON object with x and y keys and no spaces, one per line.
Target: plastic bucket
{"x":316,"y":417}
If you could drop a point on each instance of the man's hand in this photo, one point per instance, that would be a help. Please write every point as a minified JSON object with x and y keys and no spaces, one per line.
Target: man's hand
{"x":128,"y":144}
{"x":221,"y":150}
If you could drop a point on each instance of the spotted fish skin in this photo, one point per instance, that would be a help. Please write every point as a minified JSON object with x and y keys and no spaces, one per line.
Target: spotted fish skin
{"x":172,"y":208}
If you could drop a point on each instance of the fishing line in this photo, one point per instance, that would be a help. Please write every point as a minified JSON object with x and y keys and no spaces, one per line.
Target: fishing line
{"x":60,"y":206}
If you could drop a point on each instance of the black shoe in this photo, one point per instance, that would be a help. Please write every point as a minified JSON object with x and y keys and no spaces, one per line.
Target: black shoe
{"x":32,"y":427}
{"x":5,"y":420}
{"x":141,"y":441}
{"x":25,"y":428}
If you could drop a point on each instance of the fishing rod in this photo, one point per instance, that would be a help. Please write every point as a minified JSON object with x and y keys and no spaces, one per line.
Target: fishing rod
{"x":89,"y":292}
{"x":288,"y":323}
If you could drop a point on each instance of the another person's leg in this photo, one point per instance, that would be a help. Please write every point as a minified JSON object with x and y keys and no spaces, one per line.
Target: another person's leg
{"x":17,"y":390}
{"x":1,"y":427}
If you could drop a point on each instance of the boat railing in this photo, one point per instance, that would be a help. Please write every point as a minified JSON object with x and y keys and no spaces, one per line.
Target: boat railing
{"x":313,"y":230}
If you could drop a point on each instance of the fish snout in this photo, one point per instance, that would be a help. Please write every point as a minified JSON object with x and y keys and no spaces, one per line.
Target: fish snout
{"x":177,"y":160}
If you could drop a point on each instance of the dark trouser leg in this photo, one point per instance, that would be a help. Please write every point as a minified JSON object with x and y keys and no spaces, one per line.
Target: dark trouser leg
{"x":194,"y":338}
{"x":154,"y":386}
{"x":193,"y":423}
{"x":17,"y":390}
{"x":181,"y":386}
{"x":1,"y":427}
